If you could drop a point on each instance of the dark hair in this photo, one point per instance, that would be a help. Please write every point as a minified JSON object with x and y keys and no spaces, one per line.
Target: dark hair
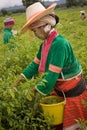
{"x":56,"y":17}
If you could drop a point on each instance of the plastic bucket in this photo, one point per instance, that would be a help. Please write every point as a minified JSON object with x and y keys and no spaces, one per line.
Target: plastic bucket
{"x":54,"y":111}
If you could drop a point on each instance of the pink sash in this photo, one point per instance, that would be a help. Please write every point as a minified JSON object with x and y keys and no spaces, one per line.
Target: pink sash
{"x":45,"y":49}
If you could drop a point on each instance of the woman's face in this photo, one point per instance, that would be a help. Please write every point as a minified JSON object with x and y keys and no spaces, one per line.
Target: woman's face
{"x":40,"y":33}
{"x":9,"y":26}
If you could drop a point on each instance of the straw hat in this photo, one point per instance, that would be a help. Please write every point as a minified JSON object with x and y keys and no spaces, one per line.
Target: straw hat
{"x":36,"y":11}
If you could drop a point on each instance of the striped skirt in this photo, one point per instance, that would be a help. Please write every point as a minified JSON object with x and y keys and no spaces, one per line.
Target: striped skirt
{"x":74,"y":110}
{"x":74,"y":107}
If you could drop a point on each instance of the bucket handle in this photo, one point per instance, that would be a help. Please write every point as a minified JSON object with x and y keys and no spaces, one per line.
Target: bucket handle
{"x":64,"y":96}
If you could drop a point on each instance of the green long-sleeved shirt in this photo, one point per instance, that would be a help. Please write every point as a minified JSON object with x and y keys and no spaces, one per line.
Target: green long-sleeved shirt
{"x":7,"y":35}
{"x":60,"y":55}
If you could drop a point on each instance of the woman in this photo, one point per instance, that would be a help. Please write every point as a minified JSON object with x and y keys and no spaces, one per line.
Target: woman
{"x":7,"y":33}
{"x":56,"y":58}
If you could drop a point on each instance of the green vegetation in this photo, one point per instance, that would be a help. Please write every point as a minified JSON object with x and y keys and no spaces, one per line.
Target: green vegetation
{"x":51,"y":100}
{"x":17,"y":109}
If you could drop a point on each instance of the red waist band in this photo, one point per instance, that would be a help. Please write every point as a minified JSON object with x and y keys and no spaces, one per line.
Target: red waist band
{"x":67,"y":85}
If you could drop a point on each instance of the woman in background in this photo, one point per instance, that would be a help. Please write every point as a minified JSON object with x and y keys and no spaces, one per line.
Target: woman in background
{"x":7,"y":32}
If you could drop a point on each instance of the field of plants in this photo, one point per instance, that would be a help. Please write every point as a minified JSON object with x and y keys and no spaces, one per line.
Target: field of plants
{"x":18,"y":111}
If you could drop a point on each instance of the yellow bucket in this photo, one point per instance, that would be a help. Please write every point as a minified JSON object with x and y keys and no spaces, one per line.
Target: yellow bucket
{"x":54,"y":111}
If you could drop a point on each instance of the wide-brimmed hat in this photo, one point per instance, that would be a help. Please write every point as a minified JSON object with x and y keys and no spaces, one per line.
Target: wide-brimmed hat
{"x":36,"y":11}
{"x":8,"y":21}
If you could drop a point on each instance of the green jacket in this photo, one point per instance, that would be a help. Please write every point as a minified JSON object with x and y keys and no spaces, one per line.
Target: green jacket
{"x":61,"y":58}
{"x":7,"y":35}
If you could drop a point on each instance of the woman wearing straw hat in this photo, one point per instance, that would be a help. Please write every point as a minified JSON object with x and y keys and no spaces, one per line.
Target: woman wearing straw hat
{"x":55,"y":57}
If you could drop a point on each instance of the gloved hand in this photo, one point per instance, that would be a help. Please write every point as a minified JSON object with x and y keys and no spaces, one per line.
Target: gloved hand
{"x":18,"y":81}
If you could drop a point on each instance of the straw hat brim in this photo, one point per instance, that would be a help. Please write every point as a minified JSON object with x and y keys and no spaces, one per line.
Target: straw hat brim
{"x":37,"y":16}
